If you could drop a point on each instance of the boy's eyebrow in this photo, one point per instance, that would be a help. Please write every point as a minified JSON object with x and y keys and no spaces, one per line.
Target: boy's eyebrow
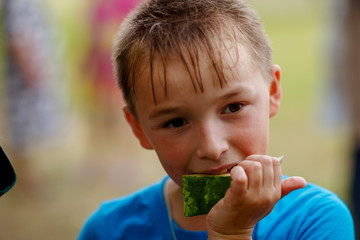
{"x":231,"y":94}
{"x":164,"y":111}
{"x":170,"y":110}
{"x":240,"y":90}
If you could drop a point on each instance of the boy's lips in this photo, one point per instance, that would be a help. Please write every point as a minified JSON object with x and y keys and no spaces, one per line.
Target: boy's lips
{"x":219,"y":170}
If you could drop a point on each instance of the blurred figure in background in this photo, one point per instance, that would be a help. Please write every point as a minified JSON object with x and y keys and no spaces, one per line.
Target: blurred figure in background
{"x":32,"y":84}
{"x":104,"y":19}
{"x":346,"y":70}
{"x":104,"y":111}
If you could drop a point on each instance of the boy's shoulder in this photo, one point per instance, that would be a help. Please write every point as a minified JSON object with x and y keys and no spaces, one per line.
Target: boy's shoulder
{"x":149,"y":192}
{"x":309,"y":213}
{"x":313,"y":196}
{"x":133,"y":214}
{"x":134,"y":203}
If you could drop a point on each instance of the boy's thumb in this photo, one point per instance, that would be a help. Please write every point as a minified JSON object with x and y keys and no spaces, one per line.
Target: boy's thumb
{"x":290,"y":184}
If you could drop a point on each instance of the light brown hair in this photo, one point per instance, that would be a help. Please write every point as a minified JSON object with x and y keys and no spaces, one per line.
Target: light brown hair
{"x":158,"y":29}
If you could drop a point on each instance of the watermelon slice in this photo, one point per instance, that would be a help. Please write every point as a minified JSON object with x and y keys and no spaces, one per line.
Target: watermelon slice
{"x":201,"y":192}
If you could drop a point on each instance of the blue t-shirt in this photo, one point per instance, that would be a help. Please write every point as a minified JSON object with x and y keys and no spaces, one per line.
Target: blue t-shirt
{"x":309,"y":213}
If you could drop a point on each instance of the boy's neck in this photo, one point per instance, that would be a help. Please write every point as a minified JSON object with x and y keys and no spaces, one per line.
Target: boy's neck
{"x":176,"y":207}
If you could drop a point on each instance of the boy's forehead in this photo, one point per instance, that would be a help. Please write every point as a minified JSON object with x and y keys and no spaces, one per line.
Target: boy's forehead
{"x":164,"y":75}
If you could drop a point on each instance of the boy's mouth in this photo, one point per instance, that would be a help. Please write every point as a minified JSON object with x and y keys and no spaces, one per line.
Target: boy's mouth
{"x":227,"y":170}
{"x":218,"y":171}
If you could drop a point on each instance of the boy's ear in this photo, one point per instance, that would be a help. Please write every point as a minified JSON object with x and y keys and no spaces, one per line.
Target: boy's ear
{"x":275,"y":90}
{"x":136,"y":128}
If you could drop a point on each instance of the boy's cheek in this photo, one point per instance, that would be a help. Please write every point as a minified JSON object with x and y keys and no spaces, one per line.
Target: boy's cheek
{"x":172,"y":156}
{"x":251,"y":141}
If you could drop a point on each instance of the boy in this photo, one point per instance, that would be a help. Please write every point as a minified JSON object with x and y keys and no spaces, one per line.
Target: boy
{"x":200,"y":88}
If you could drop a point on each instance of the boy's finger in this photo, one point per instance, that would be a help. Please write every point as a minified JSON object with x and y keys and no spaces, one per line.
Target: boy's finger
{"x":277,"y":173}
{"x":254,"y":172}
{"x":267,"y":168}
{"x":268,"y":172}
{"x":239,"y":181}
{"x":290,"y":184}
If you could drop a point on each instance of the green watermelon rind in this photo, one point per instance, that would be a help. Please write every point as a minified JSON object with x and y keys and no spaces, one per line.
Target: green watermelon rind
{"x":202,"y":192}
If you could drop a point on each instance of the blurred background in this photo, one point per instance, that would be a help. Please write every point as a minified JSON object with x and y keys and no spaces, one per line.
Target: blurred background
{"x":61,"y":120}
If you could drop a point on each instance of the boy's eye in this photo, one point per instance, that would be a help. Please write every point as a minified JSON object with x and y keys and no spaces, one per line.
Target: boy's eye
{"x":232,"y":108}
{"x":176,"y":123}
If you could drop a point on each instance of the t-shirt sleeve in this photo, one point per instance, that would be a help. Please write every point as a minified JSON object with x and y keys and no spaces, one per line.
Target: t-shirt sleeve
{"x":88,"y":232}
{"x":329,"y":218}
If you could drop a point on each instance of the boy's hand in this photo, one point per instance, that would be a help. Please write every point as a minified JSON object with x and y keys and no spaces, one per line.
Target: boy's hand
{"x":255,"y":188}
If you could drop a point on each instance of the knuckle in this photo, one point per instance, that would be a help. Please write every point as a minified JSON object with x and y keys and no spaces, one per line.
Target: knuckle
{"x":257,"y":166}
{"x":267,"y":161}
{"x":240,"y":179}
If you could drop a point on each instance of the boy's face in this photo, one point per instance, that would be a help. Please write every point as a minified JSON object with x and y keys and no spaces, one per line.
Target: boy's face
{"x":206,"y":132}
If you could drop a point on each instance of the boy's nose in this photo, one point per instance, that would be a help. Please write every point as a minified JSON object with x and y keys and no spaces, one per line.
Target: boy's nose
{"x":211,"y":141}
